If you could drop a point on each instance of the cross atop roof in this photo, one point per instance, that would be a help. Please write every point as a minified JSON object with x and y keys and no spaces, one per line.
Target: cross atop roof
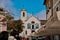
{"x":23,"y":4}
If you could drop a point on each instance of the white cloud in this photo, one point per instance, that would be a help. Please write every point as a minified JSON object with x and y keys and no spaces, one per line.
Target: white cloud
{"x":29,"y":15}
{"x":6,"y":3}
{"x":9,"y":5}
{"x":41,"y":15}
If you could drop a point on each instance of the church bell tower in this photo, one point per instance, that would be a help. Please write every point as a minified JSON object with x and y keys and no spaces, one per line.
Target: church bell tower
{"x":23,"y":15}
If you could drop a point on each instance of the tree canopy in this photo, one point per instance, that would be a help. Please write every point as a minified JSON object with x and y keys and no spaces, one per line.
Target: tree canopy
{"x":16,"y":25}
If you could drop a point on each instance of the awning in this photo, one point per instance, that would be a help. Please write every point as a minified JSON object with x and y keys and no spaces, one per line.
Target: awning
{"x":47,"y":32}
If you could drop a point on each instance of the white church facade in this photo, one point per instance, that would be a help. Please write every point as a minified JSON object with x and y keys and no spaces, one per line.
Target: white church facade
{"x":31,"y":24}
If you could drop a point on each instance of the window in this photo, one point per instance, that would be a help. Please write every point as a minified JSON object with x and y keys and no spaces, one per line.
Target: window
{"x":32,"y":31}
{"x":32,"y":26}
{"x":26,"y":32}
{"x":33,"y":22}
{"x":29,"y":26}
{"x":47,"y":11}
{"x":36,"y":25}
{"x":23,"y":14}
{"x":57,"y":9}
{"x":49,"y":7}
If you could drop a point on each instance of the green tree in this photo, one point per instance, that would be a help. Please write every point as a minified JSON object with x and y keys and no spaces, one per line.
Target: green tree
{"x":8,"y":18}
{"x":7,"y":15}
{"x":17,"y":26}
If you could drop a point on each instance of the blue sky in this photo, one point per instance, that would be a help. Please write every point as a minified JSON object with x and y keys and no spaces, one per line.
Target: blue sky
{"x":35,"y":6}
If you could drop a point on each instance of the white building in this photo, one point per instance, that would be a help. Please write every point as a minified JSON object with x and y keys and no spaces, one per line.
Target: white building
{"x":31,"y":24}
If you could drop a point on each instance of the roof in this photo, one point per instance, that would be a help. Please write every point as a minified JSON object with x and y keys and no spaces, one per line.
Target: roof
{"x":33,"y":16}
{"x":47,"y":32}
